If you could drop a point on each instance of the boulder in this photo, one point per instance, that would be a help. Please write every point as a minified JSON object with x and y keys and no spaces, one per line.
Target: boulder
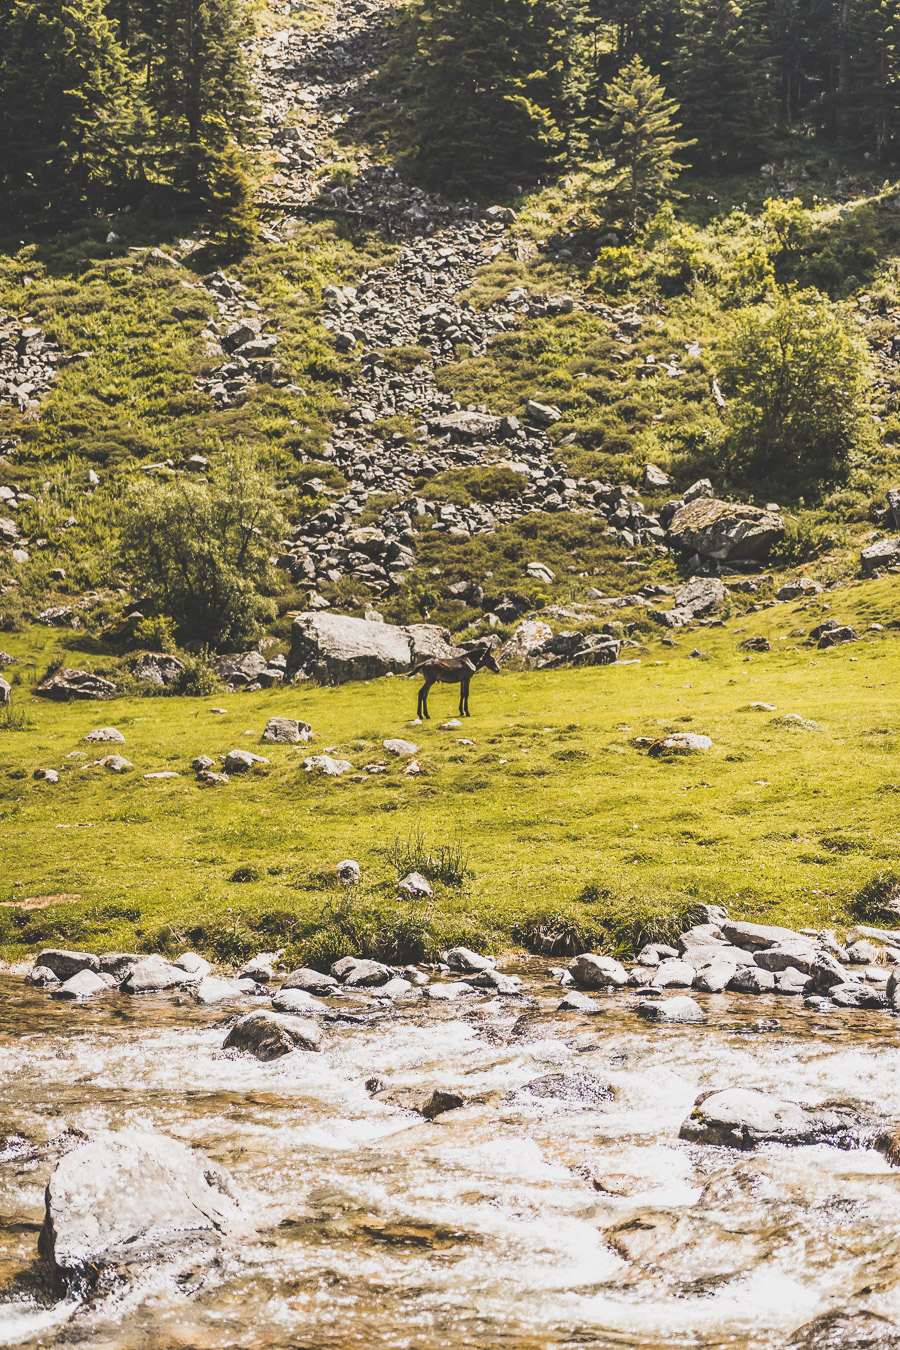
{"x":313,"y":981}
{"x":327,"y":765}
{"x":261,"y":968}
{"x":118,"y":964}
{"x":240,"y":761}
{"x":673,"y":972}
{"x":826,"y":972}
{"x":893,"y":501}
{"x":269,"y":1035}
{"x":575,"y":1001}
{"x":105,"y":734}
{"x":885,"y":553}
{"x":349,"y":871}
{"x":799,"y":952}
{"x":356,"y":972}
{"x":850,"y":1330}
{"x":590,"y":971}
{"x":115,"y":763}
{"x":128,"y":1197}
{"x":65,"y":964}
{"x":193,"y":964}
{"x":724,"y":531}
{"x":673,"y":1010}
{"x":237,"y":669}
{"x":681,"y":743}
{"x":526,"y":642}
{"x":414,"y":884}
{"x":287,"y":731}
{"x":210,"y":990}
{"x":751,"y":980}
{"x":153,"y":974}
{"x":854,"y":995}
{"x":334,"y":648}
{"x":700,"y":595}
{"x":86,"y":984}
{"x":464,"y":959}
{"x":465,"y":426}
{"x":157,"y":668}
{"x":583,"y":1089}
{"x":792,"y":982}
{"x":427,"y":1102}
{"x":716,"y":974}
{"x":656,"y":479}
{"x":800,"y":588}
{"x":756,"y":937}
{"x":41,"y":977}
{"x":742,"y":1118}
{"x":68,"y":685}
{"x":297,"y":1001}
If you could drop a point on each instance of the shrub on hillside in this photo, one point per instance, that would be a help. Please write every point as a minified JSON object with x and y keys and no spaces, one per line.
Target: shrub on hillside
{"x":201,"y":550}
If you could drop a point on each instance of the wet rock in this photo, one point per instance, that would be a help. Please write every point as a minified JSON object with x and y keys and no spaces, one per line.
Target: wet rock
{"x":287,"y":731}
{"x":507,"y":986}
{"x":575,"y":1001}
{"x":862,"y":953}
{"x":724,"y":531}
{"x":462,"y":958}
{"x":751,"y":980}
{"x":153,"y":974}
{"x":86,"y":984}
{"x":41,"y":977}
{"x":672,"y":1010}
{"x":241,"y":761}
{"x":742,"y":1118}
{"x":825,"y":972}
{"x":193,"y":964}
{"x":269,"y":1035}
{"x":590,"y":971}
{"x":129,"y":1197}
{"x":396,"y":987}
{"x":297,"y":1001}
{"x":755,"y":937}
{"x":69,"y":685}
{"x":850,"y":1330}
{"x":427,"y":1102}
{"x":355,"y":972}
{"x":673,"y":972}
{"x":891,"y":991}
{"x":210,"y":990}
{"x":261,"y":968}
{"x":792,"y":982}
{"x":853,"y":995}
{"x":118,"y":964}
{"x":64,"y":963}
{"x":715,"y":975}
{"x":584,"y":1089}
{"x":449,"y":992}
{"x":313,"y":981}
{"x":798,"y":952}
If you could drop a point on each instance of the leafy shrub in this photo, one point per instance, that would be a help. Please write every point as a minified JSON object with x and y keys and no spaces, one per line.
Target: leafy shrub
{"x":198,"y":678}
{"x":448,"y":863}
{"x":879,"y":898}
{"x":157,"y":634}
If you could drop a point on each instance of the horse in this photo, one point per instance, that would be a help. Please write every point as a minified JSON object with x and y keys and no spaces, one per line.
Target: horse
{"x":453,"y":670}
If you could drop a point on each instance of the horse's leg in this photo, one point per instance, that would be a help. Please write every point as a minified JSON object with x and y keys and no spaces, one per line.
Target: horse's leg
{"x":419,"y":704}
{"x":464,"y":698}
{"x":423,"y":699}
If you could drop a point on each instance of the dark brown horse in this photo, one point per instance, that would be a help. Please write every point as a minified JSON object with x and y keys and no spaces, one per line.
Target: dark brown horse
{"x":453,"y":670}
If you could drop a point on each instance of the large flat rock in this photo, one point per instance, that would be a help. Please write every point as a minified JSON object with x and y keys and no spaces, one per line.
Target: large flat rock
{"x":742,"y":1118}
{"x":334,"y":648}
{"x":724,"y":530}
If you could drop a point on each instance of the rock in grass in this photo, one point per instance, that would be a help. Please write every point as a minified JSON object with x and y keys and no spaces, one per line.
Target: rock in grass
{"x":400,"y":747}
{"x":86,"y":984}
{"x":130,"y":1197}
{"x":590,"y":971}
{"x":240,"y":761}
{"x":742,"y":1118}
{"x":287,"y":731}
{"x":673,"y":972}
{"x":202,"y":762}
{"x":672,"y":1010}
{"x":269,"y":1035}
{"x":116,"y":763}
{"x":46,"y":775}
{"x":414,"y":884}
{"x":325,"y":764}
{"x":349,"y":871}
{"x":681,"y":743}
{"x":105,"y":734}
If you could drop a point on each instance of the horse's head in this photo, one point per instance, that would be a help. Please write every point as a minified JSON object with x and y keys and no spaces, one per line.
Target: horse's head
{"x":485,"y":660}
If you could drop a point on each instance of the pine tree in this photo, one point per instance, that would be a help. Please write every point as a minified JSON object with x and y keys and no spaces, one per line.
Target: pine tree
{"x":489,"y":90}
{"x":230,"y":201}
{"x":198,"y":83}
{"x":69,"y":117}
{"x":640,"y":137}
{"x":870,"y":97}
{"x":724,"y":83}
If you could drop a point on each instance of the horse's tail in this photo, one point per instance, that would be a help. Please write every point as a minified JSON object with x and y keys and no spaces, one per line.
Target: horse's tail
{"x":417,"y":669}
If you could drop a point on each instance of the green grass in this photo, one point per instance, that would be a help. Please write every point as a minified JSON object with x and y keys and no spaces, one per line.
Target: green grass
{"x":552,"y":803}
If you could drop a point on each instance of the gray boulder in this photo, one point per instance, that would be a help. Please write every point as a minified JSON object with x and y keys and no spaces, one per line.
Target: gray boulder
{"x":799,"y":952}
{"x":590,"y":971}
{"x":153,"y":975}
{"x":826,"y":972}
{"x":64,"y":963}
{"x":855,"y":995}
{"x":575,"y":1001}
{"x":672,"y":1010}
{"x":742,"y":1118}
{"x":238,"y":669}
{"x":751,"y":980}
{"x":69,"y":686}
{"x":847,"y":1330}
{"x":86,"y":984}
{"x":129,"y":1197}
{"x":297,"y":1001}
{"x":885,"y":553}
{"x":716,"y":974}
{"x":157,"y":668}
{"x":355,"y":972}
{"x":287,"y":731}
{"x":673,"y":972}
{"x":313,"y":981}
{"x":241,"y":761}
{"x":462,"y":958}
{"x":269,"y":1035}
{"x":724,"y":531}
{"x":701,"y":595}
{"x":427,"y":1102}
{"x":41,"y":977}
{"x":792,"y":982}
{"x":100,"y":734}
{"x":756,"y":937}
{"x":333,"y":648}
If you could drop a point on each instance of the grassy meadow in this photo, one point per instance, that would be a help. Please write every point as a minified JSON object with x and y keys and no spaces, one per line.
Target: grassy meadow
{"x":570,"y":830}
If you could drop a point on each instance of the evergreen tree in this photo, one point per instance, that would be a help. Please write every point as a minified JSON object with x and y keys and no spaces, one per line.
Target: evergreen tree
{"x":489,"y":90}
{"x":68,"y":113}
{"x":198,"y":83}
{"x":723,"y":82}
{"x":231,"y":203}
{"x":640,"y":137}
{"x":870,"y":98}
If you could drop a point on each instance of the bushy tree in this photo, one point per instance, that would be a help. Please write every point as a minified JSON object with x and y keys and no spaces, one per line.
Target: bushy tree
{"x":488,"y":88}
{"x":68,"y":113}
{"x":639,"y":134}
{"x":230,"y":200}
{"x":201,"y":550}
{"x":796,"y":377}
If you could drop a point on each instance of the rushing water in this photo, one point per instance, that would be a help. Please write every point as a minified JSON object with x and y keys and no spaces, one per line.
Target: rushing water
{"x":375,"y":1228}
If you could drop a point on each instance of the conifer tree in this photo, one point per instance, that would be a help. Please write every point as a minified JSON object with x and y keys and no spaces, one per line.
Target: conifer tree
{"x":198,"y":83}
{"x":488,"y":84}
{"x":68,"y":112}
{"x":640,"y":137}
{"x":231,"y":204}
{"x":723,"y":81}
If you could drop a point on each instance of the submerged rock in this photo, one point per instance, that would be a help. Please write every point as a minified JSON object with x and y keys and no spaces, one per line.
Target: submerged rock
{"x":584,"y":1089}
{"x":427,"y":1102}
{"x":128,"y":1197}
{"x":743,"y":1118}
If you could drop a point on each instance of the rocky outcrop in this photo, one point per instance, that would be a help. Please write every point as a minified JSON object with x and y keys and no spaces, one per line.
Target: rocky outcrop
{"x":332,"y":648}
{"x":724,"y":531}
{"x":884,"y":553}
{"x":131,"y":1197}
{"x":68,"y":685}
{"x":157,"y":668}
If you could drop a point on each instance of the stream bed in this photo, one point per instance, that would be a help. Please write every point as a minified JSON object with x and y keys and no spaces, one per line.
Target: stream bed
{"x":518,"y":1220}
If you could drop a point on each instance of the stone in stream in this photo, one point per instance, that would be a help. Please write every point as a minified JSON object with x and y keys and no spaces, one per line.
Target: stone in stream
{"x":464,"y":959}
{"x":287,"y":731}
{"x":715,"y":975}
{"x":854,"y":995}
{"x":427,"y":1102}
{"x":64,"y":963}
{"x":757,"y":937}
{"x":193,"y":964}
{"x":505,"y":985}
{"x":800,"y":953}
{"x":892,"y":991}
{"x":129,"y":1197}
{"x":153,"y":974}
{"x":118,"y":964}
{"x":672,"y":1010}
{"x":826,"y":972}
{"x":448,"y":992}
{"x":792,"y":982}
{"x":862,"y":953}
{"x":261,"y":968}
{"x":313,"y":981}
{"x":395,"y":988}
{"x":355,"y":972}
{"x":297,"y":1001}
{"x":575,"y":1001}
{"x":673,"y":972}
{"x":269,"y":1035}
{"x":654,"y":953}
{"x":210,"y":989}
{"x":41,"y":977}
{"x":86,"y":984}
{"x":751,"y":980}
{"x":742,"y":1118}
{"x":591,"y":971}
{"x":850,"y":1330}
{"x":583,"y":1089}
